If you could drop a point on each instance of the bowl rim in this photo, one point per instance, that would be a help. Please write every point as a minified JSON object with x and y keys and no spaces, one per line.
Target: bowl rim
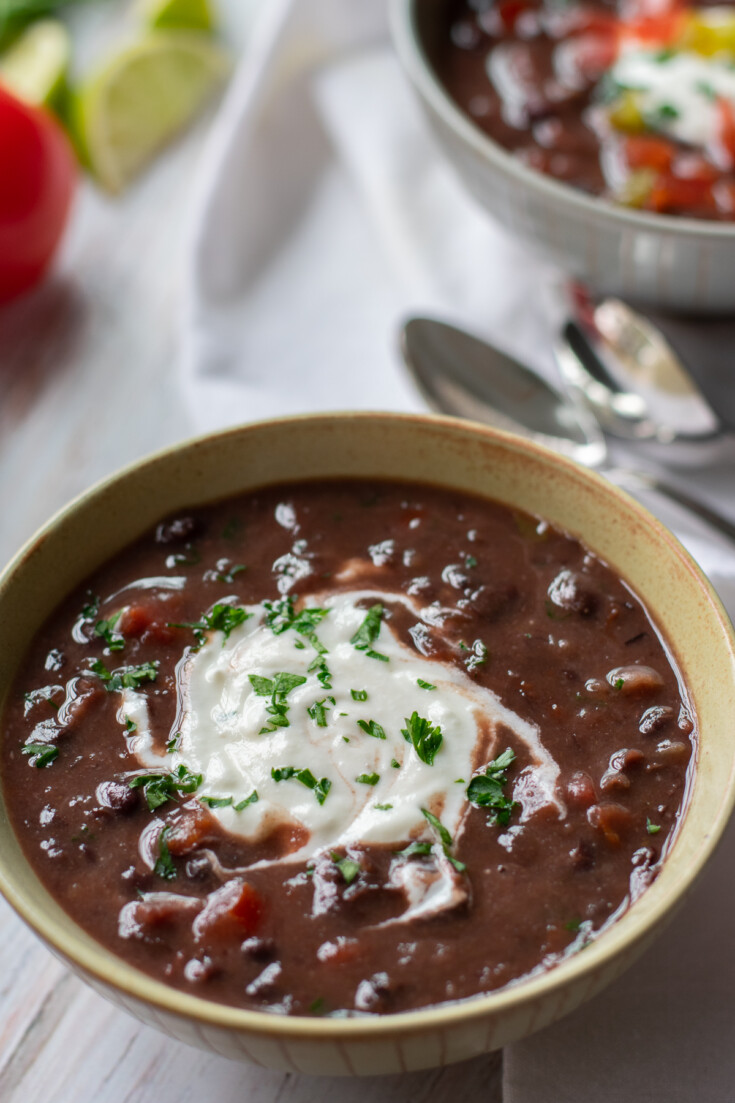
{"x":106,"y":969}
{"x":416,"y":63}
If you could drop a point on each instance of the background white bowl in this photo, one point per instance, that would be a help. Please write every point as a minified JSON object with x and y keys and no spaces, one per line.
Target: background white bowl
{"x":682,"y":264}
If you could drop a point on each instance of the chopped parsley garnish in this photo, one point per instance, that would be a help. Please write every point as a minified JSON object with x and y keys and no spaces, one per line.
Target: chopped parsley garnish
{"x":486,"y":790}
{"x":383,"y":807}
{"x":216,"y":802}
{"x":426,"y":737}
{"x":368,"y":779}
{"x":470,"y":562}
{"x":127,"y":677}
{"x":322,"y":671}
{"x":131,"y":726}
{"x":368,"y":632}
{"x":277,"y":689}
{"x":42,"y":754}
{"x":221,"y":618}
{"x":173,"y":743}
{"x":667,"y":111}
{"x":44,"y":694}
{"x":318,"y":1006}
{"x":106,"y":629}
{"x":252,"y":799}
{"x":92,"y":608}
{"x":228,"y":575}
{"x":280,"y":617}
{"x":347,"y":867}
{"x":395,"y":764}
{"x":664,"y":55}
{"x":619,"y":683}
{"x":444,"y":837}
{"x":372,"y":727}
{"x":652,"y":828}
{"x":424,"y":685}
{"x":318,"y":711}
{"x":159,"y":788}
{"x":415,"y":850}
{"x":164,"y":866}
{"x":359,"y":694}
{"x":573,"y":925}
{"x":320,"y":788}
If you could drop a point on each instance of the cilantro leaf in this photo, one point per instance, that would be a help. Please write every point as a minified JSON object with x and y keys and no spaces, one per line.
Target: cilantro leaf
{"x":42,"y":754}
{"x":347,"y":867}
{"x":318,"y":711}
{"x":252,"y":799}
{"x":160,"y":788}
{"x":216,"y":802}
{"x":220,"y":618}
{"x":444,"y":837}
{"x":322,"y":671}
{"x":164,"y":866}
{"x":424,"y":685}
{"x":368,"y":779}
{"x":278,"y":689}
{"x":372,"y":727}
{"x":652,"y":828}
{"x":126,"y":677}
{"x":320,"y":788}
{"x":485,"y":790}
{"x":359,"y":694}
{"x":106,"y":629}
{"x":368,"y":632}
{"x":426,"y":738}
{"x":414,"y":850}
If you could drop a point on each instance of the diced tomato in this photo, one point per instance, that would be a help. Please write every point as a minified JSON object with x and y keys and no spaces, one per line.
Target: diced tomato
{"x":726,"y":119}
{"x":724,"y":193}
{"x":673,"y":194}
{"x":233,"y":911}
{"x":613,"y":820}
{"x":509,"y":11}
{"x":191,"y":827}
{"x":644,"y":151}
{"x":134,"y":620}
{"x":591,"y":55}
{"x":693,"y":166}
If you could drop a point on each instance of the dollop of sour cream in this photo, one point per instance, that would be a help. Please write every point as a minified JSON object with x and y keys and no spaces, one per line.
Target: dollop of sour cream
{"x":342,"y":720}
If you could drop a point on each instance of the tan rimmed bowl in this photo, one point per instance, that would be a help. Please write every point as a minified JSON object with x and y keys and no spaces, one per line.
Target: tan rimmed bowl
{"x":682,"y":264}
{"x":443,"y":452}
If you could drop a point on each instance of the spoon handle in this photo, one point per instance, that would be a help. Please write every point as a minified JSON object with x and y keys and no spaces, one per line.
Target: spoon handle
{"x":650,"y":482}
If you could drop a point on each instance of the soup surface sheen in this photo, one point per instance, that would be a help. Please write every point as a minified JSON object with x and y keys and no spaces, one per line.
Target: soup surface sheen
{"x":347,"y":748}
{"x":631,"y":99}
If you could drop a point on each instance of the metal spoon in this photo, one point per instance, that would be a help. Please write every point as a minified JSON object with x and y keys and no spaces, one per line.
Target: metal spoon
{"x":623,"y":368}
{"x":462,"y":375}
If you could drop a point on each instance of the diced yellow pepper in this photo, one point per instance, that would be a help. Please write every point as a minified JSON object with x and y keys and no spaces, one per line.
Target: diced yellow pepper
{"x":710,"y":36}
{"x":637,"y":187}
{"x":625,"y":114}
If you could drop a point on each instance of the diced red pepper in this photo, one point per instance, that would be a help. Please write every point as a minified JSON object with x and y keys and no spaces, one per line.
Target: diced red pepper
{"x":645,"y":151}
{"x":233,"y":911}
{"x":134,"y":620}
{"x":675,"y":195}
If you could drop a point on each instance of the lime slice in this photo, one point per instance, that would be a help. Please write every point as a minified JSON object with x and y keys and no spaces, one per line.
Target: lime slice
{"x":141,"y":99}
{"x":35,"y":66}
{"x":195,"y":15}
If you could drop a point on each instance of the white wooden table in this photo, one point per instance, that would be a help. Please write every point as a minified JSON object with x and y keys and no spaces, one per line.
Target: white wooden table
{"x":88,"y":383}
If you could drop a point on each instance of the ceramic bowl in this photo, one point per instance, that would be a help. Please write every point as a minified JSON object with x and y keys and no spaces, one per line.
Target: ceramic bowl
{"x":448,"y":453}
{"x":683,"y":264}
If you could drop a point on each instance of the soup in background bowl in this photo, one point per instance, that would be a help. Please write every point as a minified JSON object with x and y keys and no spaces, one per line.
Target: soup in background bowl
{"x":351,"y":732}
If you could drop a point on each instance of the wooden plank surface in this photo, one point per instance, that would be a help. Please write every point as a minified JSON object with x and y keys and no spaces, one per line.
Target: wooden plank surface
{"x":88,"y":382}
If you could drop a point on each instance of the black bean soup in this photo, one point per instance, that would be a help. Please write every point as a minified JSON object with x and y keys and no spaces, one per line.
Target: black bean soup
{"x":497,"y":876}
{"x":630,"y":99}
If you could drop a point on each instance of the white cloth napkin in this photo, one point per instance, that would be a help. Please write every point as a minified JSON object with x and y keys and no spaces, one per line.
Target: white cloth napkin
{"x":325,"y":215}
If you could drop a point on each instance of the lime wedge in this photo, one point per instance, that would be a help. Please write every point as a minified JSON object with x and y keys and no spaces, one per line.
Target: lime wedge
{"x":196,"y":15}
{"x":142,"y":98}
{"x":35,"y":66}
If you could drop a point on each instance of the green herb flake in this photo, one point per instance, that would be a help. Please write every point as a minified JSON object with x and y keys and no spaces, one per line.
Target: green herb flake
{"x":424,"y":685}
{"x":188,"y":558}
{"x":383,"y":807}
{"x":92,"y":608}
{"x":619,"y":683}
{"x":221,"y":618}
{"x":395,"y":764}
{"x":372,"y":727}
{"x":368,"y":779}
{"x":106,"y":630}
{"x":667,"y":111}
{"x":470,"y":562}
{"x":345,"y":739}
{"x":278,"y":689}
{"x":252,"y":799}
{"x":318,"y":711}
{"x":164,"y":866}
{"x":415,"y":850}
{"x":131,"y":726}
{"x":573,"y":925}
{"x":229,"y":574}
{"x":485,"y":790}
{"x":42,"y":754}
{"x":320,"y":788}
{"x":369,"y":630}
{"x":652,"y":828}
{"x":160,"y":788}
{"x":347,"y":867}
{"x":126,"y":677}
{"x":173,"y":743}
{"x":444,"y":837}
{"x":664,"y":55}
{"x":425,"y":737}
{"x":359,"y":694}
{"x":216,"y":802}
{"x":322,"y":671}
{"x":477,"y":655}
{"x":318,"y":1006}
